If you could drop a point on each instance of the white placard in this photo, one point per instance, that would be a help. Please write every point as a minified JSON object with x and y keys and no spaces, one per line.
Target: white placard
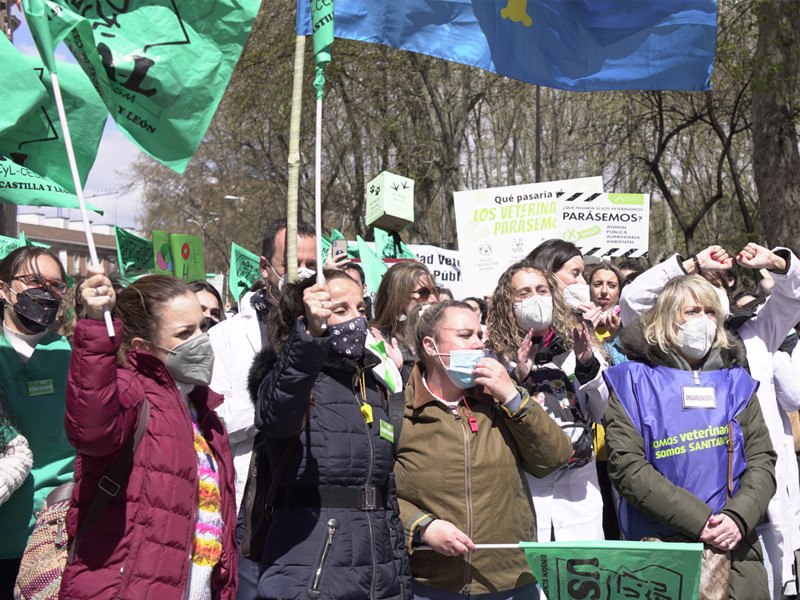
{"x":606,"y":225}
{"x":500,"y":226}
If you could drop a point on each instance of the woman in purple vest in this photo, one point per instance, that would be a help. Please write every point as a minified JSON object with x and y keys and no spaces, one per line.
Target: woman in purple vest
{"x":670,"y":412}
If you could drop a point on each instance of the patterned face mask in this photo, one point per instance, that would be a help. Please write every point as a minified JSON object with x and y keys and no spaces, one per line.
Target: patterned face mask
{"x":348,"y":338}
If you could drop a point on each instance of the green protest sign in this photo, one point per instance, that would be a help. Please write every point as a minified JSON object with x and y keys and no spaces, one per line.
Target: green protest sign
{"x":22,"y":186}
{"x":37,"y":142}
{"x":244,"y":271}
{"x":20,"y":86}
{"x":161,"y":66}
{"x":373,"y":266}
{"x":609,"y":570}
{"x":385,"y":246}
{"x":322,"y":26}
{"x":178,"y":254}
{"x":134,"y":254}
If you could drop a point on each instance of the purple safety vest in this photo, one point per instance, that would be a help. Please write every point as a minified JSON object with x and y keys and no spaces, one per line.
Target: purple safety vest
{"x":688,"y":446}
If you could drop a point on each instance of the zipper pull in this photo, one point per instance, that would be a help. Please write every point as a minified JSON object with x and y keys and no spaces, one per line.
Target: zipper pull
{"x":366,"y":410}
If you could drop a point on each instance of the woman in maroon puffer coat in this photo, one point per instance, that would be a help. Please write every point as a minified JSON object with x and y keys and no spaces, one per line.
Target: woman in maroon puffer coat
{"x":170,"y":531}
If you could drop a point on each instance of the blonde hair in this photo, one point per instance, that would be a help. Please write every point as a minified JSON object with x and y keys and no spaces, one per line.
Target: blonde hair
{"x":660,"y":321}
{"x":505,"y":335}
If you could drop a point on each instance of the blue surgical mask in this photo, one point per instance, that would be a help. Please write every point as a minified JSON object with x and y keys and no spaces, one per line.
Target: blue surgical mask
{"x":462,"y":362}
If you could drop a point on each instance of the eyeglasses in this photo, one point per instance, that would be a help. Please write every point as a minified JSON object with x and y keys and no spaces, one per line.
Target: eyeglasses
{"x":36,"y":282}
{"x":423,"y":293}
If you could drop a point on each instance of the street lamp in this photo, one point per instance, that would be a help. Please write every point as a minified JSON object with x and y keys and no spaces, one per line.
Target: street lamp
{"x":203,"y":225}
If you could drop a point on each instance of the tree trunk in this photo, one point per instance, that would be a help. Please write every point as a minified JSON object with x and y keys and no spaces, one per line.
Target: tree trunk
{"x":776,"y":161}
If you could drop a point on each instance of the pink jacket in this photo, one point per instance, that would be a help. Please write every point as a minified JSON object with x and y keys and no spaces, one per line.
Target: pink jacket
{"x":140,"y":547}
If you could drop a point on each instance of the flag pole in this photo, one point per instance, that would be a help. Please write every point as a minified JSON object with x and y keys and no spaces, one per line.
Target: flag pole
{"x":318,"y":190}
{"x":294,"y":158}
{"x":76,"y":180}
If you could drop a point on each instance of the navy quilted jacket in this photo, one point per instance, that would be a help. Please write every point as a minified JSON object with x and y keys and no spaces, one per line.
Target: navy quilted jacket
{"x":337,"y":448}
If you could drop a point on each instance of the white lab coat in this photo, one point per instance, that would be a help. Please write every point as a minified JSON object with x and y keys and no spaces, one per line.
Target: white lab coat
{"x":762,"y":335}
{"x":236,"y":342}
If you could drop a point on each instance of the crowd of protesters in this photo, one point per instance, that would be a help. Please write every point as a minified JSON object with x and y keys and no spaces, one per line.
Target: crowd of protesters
{"x":321,"y":443}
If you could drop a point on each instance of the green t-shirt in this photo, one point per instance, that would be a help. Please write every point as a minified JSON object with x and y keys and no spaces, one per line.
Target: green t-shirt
{"x":35,"y":394}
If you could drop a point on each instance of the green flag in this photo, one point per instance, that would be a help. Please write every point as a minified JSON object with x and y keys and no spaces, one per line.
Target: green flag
{"x":21,"y":88}
{"x":373,"y":266}
{"x":36,"y":141}
{"x":610,"y":570}
{"x":9,"y":244}
{"x":322,"y":26}
{"x":26,"y":242}
{"x":245,"y":270}
{"x":20,"y":185}
{"x":134,"y":253}
{"x":178,"y":254}
{"x":385,"y":245}
{"x":36,"y":16}
{"x":161,"y":66}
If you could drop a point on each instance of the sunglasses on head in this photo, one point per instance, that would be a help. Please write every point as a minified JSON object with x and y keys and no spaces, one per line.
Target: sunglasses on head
{"x":36,"y":282}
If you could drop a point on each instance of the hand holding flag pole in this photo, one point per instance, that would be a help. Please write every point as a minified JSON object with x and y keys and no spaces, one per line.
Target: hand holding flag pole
{"x":37,"y":21}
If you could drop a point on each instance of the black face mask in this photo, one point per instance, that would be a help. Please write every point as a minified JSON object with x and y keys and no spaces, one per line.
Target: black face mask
{"x":37,"y":309}
{"x":208,"y":323}
{"x":262,"y":303}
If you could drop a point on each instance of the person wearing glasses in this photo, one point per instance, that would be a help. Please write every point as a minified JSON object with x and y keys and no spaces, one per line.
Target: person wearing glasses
{"x":404,"y":286}
{"x":34,"y":363}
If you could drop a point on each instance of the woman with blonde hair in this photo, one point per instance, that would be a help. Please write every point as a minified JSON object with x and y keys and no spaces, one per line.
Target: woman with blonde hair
{"x":553,"y":355}
{"x":672,"y":412}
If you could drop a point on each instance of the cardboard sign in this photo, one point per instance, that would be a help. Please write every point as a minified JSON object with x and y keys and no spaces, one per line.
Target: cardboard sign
{"x":390,"y":202}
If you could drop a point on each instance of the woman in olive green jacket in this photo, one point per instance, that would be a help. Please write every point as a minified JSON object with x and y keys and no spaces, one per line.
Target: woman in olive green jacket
{"x":461,"y":454}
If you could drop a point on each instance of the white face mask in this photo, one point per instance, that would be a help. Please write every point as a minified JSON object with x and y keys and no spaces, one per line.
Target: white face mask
{"x":576,"y":294}
{"x":723,"y":300}
{"x":302,"y":273}
{"x":697,"y":336}
{"x":534,"y":313}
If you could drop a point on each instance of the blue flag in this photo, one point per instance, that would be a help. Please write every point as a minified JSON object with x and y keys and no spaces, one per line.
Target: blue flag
{"x":579,"y":45}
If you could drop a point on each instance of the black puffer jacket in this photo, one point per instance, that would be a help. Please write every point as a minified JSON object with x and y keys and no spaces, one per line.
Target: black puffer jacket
{"x":337,"y":453}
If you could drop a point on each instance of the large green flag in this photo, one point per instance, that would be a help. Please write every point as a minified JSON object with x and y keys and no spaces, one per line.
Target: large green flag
{"x":322,"y":26}
{"x":373,"y":266}
{"x":134,"y":253}
{"x":36,"y":16}
{"x":20,"y":185}
{"x":37,"y":142}
{"x":244,"y":271}
{"x":21,"y":88}
{"x":161,"y":66}
{"x":611,"y":570}
{"x":178,"y":254}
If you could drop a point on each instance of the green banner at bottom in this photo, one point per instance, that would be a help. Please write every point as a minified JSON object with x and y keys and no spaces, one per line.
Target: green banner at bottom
{"x":610,"y":570}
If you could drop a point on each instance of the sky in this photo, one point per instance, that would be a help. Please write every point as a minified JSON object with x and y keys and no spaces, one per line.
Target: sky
{"x":109,"y":173}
